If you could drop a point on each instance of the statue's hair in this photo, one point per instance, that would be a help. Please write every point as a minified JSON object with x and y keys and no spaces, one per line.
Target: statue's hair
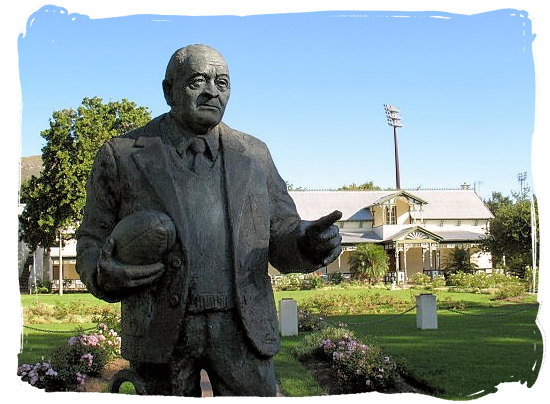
{"x":180,"y":56}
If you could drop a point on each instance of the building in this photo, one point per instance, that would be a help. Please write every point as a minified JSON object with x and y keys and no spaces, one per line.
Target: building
{"x":418,"y":229}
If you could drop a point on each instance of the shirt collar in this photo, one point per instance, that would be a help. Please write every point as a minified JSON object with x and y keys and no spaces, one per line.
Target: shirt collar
{"x":181,"y":138}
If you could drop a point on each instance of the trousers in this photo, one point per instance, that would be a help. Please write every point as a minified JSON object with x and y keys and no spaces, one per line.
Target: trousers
{"x":213,"y":341}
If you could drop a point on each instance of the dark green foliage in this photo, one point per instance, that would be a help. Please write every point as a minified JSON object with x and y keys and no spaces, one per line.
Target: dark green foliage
{"x":459,"y":261}
{"x":366,"y":186}
{"x":369,"y":262}
{"x":510,"y":235}
{"x":55,"y":200}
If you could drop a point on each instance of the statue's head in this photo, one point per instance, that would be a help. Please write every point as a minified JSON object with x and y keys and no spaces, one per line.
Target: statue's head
{"x":197,"y":87}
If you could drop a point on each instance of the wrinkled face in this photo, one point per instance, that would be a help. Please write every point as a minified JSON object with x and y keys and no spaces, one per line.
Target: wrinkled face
{"x":200,"y":91}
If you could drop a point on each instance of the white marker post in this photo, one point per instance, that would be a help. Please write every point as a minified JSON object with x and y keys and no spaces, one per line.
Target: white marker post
{"x":288,"y":317}
{"x":426,"y":312}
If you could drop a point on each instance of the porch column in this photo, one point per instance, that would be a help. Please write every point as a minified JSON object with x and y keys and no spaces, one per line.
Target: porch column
{"x":397,"y":259}
{"x":405,"y":248}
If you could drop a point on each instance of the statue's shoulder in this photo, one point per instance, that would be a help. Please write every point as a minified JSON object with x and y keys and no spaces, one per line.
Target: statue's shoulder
{"x":125,"y":142}
{"x":237,"y":138}
{"x":151,"y":128}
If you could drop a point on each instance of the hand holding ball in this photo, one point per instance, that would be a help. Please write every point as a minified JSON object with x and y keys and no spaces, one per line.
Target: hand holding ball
{"x":143,"y":238}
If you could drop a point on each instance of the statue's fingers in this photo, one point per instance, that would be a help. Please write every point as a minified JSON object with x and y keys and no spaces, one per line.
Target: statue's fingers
{"x":107,"y":250}
{"x":136,"y":283}
{"x":326,"y":221}
{"x":326,"y":247}
{"x":138,"y":272}
{"x":328,"y":234}
{"x":333,"y":255}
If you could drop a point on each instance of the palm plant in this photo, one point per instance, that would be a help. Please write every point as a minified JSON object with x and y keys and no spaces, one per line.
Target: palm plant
{"x":459,"y":261}
{"x":368,"y":262}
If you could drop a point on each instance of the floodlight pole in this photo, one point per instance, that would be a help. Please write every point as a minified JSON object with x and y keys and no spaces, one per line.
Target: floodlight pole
{"x":396,"y":147}
{"x":394,"y":120}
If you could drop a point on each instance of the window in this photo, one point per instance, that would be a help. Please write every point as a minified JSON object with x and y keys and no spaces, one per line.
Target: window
{"x":391,"y":214}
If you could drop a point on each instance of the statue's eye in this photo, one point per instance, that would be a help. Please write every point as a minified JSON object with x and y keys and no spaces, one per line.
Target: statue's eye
{"x":196,"y":83}
{"x":222,"y":84}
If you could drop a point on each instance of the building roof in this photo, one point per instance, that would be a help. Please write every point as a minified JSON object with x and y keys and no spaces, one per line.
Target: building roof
{"x":440,"y":204}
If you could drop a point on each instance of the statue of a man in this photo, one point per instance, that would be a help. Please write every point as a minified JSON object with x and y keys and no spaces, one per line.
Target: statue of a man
{"x":208,"y":304}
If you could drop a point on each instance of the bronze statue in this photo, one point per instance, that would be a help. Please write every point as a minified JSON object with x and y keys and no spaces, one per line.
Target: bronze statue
{"x":208,"y":303}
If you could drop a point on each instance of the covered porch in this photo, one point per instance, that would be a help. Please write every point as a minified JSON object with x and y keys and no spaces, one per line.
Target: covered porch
{"x":412,"y":251}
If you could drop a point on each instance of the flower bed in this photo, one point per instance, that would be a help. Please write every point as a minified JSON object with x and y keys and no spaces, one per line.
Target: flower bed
{"x":68,"y":366}
{"x":356,"y":366}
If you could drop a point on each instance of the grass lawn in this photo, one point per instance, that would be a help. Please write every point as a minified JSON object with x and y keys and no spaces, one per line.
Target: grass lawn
{"x":467,"y":356}
{"x":469,"y":353}
{"x":38,"y":344}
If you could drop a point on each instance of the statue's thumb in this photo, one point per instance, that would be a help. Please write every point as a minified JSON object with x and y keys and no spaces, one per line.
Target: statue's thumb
{"x":108,"y":248}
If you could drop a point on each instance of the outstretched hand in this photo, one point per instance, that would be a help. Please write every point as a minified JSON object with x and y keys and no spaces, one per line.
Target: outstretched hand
{"x":116,"y":277}
{"x":321,"y":241}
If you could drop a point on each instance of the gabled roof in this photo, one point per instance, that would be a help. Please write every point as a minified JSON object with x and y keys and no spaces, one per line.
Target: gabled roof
{"x":402,"y":232}
{"x":396,"y":195}
{"x":416,"y":232}
{"x":439,"y":204}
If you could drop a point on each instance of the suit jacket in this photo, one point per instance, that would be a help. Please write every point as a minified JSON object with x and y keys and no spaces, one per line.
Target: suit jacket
{"x":130,"y":174}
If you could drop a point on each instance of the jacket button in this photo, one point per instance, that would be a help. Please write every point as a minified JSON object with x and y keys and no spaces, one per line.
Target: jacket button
{"x":174,"y":300}
{"x":176,"y":263}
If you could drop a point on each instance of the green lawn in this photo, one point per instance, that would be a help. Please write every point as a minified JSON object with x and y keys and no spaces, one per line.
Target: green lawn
{"x":472,"y":351}
{"x":491,"y":342}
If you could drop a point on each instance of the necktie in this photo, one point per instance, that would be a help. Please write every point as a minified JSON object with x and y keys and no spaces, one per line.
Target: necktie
{"x":200,"y":161}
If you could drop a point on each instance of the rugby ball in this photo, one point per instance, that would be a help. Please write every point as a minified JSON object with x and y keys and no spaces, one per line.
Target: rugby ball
{"x":143,"y":237}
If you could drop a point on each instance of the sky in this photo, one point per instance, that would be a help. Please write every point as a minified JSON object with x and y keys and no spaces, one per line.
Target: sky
{"x":310,"y":79}
{"x":312,"y":85}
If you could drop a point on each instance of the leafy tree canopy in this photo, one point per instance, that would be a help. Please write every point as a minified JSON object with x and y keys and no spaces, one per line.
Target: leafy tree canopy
{"x":510,"y":234}
{"x":55,"y":200}
{"x":497,"y":200}
{"x":366,"y":186}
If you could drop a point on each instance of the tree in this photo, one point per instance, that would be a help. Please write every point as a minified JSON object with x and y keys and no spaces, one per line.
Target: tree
{"x":510,"y":235}
{"x":459,"y":261}
{"x":366,"y":186}
{"x":497,"y":200}
{"x":54,"y":201}
{"x":368,"y":262}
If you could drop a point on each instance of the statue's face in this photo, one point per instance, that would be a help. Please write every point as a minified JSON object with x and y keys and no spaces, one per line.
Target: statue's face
{"x":201,"y":90}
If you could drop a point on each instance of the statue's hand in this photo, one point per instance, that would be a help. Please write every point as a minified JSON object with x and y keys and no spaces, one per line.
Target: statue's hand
{"x":116,"y":277}
{"x":320,"y":241}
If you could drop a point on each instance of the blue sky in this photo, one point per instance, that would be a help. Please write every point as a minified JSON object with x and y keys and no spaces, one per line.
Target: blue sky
{"x":312,"y":86}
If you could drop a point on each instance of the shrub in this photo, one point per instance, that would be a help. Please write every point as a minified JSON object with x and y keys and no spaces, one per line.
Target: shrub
{"x":109,"y":317}
{"x":335,"y":304}
{"x":482,"y":282}
{"x":438,"y":281}
{"x":509,"y":290}
{"x":68,"y":365}
{"x":43,"y":376}
{"x":311,"y":281}
{"x":421,"y":279}
{"x":309,"y":322}
{"x":42,"y":287}
{"x":358,"y":367}
{"x":335,"y":278}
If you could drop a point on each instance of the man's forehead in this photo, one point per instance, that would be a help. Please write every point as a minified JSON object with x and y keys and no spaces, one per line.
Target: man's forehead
{"x":198,"y":61}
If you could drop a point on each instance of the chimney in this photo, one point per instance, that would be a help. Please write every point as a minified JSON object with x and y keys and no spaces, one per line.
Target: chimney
{"x":465,"y":186}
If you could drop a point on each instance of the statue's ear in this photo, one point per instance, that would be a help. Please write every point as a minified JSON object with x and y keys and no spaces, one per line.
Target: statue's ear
{"x":167,"y":88}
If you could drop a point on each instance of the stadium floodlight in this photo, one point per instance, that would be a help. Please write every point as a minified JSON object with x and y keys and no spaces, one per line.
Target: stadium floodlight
{"x":394,"y":120}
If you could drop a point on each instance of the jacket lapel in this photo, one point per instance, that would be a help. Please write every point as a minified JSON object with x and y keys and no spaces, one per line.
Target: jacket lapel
{"x":237,"y":166}
{"x":151,"y":159}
